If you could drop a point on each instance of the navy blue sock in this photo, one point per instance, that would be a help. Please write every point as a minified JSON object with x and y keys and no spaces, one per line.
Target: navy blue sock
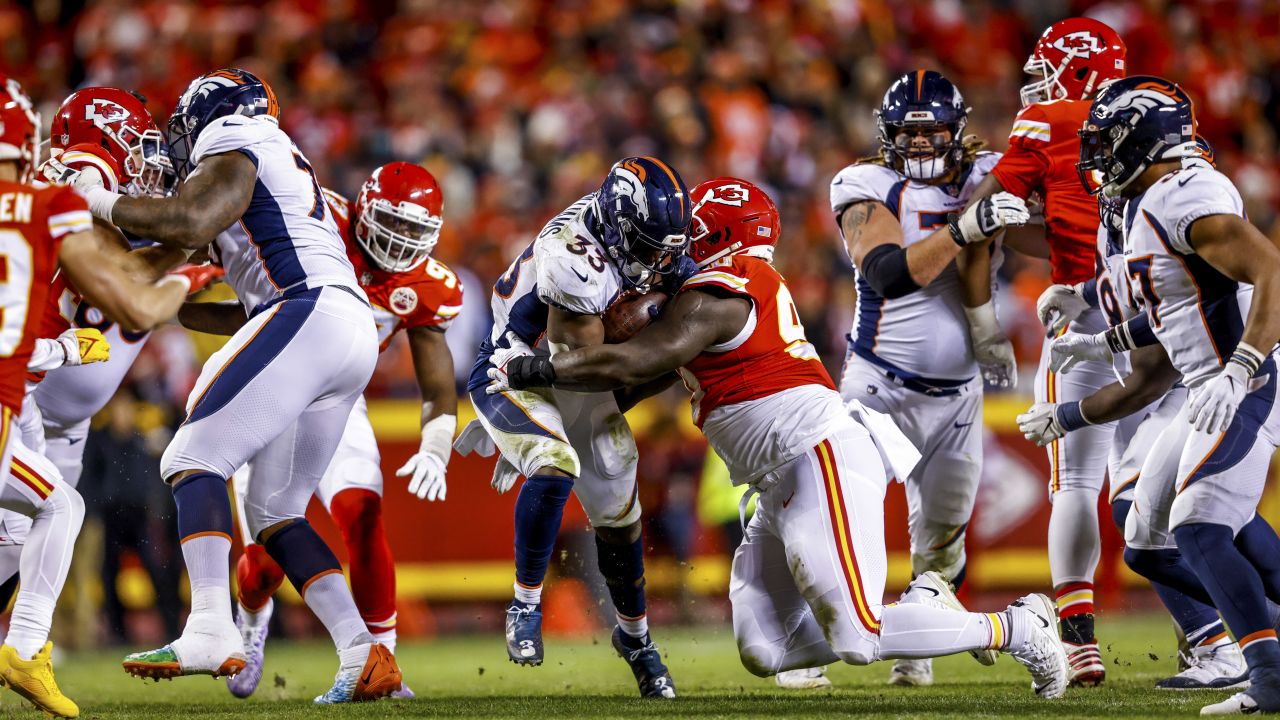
{"x":1192,"y":613}
{"x":202,"y":505}
{"x":622,"y":566}
{"x":539,"y":509}
{"x":301,"y":553}
{"x":1258,"y":542}
{"x":1120,"y":513}
{"x":1236,"y":589}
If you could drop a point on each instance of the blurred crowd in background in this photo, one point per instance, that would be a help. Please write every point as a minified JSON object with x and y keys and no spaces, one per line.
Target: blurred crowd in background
{"x":520,"y":106}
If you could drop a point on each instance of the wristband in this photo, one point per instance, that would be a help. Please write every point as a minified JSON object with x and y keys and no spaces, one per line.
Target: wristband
{"x":528,"y":371}
{"x":1248,"y":357}
{"x":101,"y":202}
{"x":1070,"y":416}
{"x":437,"y":436}
{"x":953,"y":225}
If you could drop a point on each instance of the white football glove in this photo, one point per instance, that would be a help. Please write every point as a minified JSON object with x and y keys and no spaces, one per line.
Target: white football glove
{"x":991,"y":347}
{"x":83,"y":179}
{"x":1040,"y":424}
{"x":1059,"y":306}
{"x":426,"y":476}
{"x":987,"y":217}
{"x":498,"y":373}
{"x":1214,"y":404}
{"x":1074,"y":348}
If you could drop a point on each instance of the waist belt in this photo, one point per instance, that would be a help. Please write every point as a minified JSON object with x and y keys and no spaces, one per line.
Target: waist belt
{"x":933,"y":387}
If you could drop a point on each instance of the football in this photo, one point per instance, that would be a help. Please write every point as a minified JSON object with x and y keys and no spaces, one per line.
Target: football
{"x":630,"y":313}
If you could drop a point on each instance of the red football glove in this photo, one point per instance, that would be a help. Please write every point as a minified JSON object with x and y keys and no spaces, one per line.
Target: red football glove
{"x":199,"y":275}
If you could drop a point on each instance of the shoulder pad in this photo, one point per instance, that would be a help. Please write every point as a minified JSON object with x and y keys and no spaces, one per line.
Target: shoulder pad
{"x":863,"y":181}
{"x":580,"y":282}
{"x":231,"y":133}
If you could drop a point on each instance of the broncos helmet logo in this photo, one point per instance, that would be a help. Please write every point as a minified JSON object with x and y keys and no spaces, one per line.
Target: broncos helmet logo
{"x":629,"y":183}
{"x":1143,"y":98}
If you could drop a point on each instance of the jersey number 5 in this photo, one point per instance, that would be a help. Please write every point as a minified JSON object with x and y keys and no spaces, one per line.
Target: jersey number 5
{"x":16,"y":267}
{"x":790,"y":329}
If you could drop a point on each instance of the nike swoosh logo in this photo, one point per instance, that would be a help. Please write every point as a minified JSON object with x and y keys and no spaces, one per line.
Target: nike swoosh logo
{"x":369,"y":675}
{"x":960,"y":426}
{"x":1184,"y":182}
{"x":788,"y":500}
{"x":581,"y":277}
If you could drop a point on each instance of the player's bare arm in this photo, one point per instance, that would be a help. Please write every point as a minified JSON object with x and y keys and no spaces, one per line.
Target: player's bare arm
{"x":433,"y":367}
{"x":1241,"y":252}
{"x":868,"y":225}
{"x":690,"y":323}
{"x":214,"y":195}
{"x":1150,"y":377}
{"x":572,"y":330}
{"x":213,"y":318}
{"x":96,"y":268}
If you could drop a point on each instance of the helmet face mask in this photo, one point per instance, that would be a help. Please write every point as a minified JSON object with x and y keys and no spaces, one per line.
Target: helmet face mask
{"x":922,"y":103}
{"x":397,"y":238}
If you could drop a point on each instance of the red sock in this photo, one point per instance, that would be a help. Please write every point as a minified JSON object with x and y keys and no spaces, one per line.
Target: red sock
{"x":1075,"y":599}
{"x":258,"y":576}
{"x":358,"y":514}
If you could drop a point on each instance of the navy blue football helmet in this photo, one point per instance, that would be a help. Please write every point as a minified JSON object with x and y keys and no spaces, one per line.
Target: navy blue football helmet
{"x":644,"y":212}
{"x":1133,"y":123}
{"x":230,"y":91}
{"x":922,"y":100}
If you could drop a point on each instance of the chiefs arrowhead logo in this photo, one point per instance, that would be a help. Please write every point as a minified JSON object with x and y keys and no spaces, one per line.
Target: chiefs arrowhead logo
{"x":403,"y":300}
{"x":1082,"y":44}
{"x":733,"y":194}
{"x":105,"y":112}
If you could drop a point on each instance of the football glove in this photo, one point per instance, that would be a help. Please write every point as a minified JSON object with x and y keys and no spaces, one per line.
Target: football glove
{"x":81,"y":179}
{"x":991,"y":347}
{"x":1059,"y":306}
{"x":84,"y":346}
{"x":987,"y":217}
{"x":1040,"y":424}
{"x":1214,"y":404}
{"x":1074,"y":348}
{"x":426,"y":468}
{"x":474,"y":438}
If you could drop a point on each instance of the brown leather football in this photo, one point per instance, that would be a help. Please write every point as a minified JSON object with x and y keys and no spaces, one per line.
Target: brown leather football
{"x":630,"y":313}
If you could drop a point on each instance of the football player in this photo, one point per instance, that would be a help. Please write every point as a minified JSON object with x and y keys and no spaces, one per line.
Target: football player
{"x":632,"y":232}
{"x":1143,"y":463}
{"x":893,"y":213}
{"x":44,"y":229}
{"x":390,"y":232}
{"x":267,"y":395}
{"x":807,"y":580}
{"x":1208,"y":281}
{"x":1072,"y":60}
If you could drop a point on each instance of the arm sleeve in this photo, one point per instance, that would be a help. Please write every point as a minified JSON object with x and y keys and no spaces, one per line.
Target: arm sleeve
{"x":1022,"y":168}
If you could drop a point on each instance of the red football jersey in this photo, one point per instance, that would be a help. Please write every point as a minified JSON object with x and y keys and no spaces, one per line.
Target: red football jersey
{"x":770,"y":355}
{"x":429,"y":295}
{"x":1044,"y":147}
{"x":33,"y":221}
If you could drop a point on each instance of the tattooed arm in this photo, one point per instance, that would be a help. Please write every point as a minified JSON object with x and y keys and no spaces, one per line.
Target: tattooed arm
{"x":873,"y":237}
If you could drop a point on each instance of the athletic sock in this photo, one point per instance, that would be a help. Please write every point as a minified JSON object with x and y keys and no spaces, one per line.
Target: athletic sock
{"x":313,"y":570}
{"x":1258,"y":542}
{"x":358,"y":514}
{"x":528,"y":596}
{"x":1236,"y":588}
{"x":29,"y":625}
{"x":539,"y":510}
{"x":911,"y":630}
{"x":1075,"y":612}
{"x":622,"y":566}
{"x":204,"y":526}
{"x":258,"y":576}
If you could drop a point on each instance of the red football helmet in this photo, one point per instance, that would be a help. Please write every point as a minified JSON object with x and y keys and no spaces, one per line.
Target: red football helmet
{"x":1073,"y":59}
{"x":19,"y":128}
{"x":730,"y":216}
{"x":398,"y":215}
{"x":118,"y":122}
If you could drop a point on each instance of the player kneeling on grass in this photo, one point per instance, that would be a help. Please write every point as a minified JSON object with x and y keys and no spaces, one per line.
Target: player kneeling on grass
{"x":809,"y":576}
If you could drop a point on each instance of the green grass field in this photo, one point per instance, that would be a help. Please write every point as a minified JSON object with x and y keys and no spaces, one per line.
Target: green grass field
{"x":470,"y":677}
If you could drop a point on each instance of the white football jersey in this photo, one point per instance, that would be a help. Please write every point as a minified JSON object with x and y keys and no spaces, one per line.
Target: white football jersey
{"x":287,"y":237}
{"x":1196,"y":312}
{"x":68,"y":395}
{"x":564,"y":266}
{"x":924,"y":334}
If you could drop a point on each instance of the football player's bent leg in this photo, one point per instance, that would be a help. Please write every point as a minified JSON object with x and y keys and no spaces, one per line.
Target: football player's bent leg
{"x":942,"y":491}
{"x":64,"y":445}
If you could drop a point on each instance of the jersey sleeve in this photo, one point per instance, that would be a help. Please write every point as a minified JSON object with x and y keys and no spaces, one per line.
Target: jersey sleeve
{"x":232,"y":133}
{"x":68,"y":212}
{"x":1022,"y":168}
{"x":720,"y":277}
{"x":572,"y":282}
{"x":439,"y":293}
{"x":1201,"y":192}
{"x":865,"y":181}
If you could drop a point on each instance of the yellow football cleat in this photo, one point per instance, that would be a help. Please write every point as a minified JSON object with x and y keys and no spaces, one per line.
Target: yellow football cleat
{"x":93,"y":346}
{"x":33,"y":680}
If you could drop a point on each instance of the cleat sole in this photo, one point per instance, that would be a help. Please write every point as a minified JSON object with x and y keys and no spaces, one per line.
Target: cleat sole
{"x":171,"y":670}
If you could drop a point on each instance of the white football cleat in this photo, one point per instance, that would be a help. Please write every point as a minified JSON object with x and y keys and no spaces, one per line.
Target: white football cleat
{"x":1042,"y":653}
{"x":1219,"y":666}
{"x":210,"y":645}
{"x":245,"y":682}
{"x":916,"y":672}
{"x":931,"y":588}
{"x":814,"y":678}
{"x":1238,"y":704}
